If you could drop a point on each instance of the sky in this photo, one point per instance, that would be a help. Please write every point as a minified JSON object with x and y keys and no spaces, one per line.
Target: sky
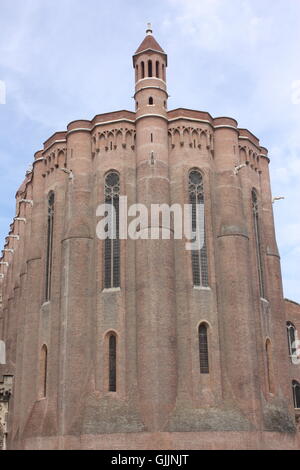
{"x":62,"y":60}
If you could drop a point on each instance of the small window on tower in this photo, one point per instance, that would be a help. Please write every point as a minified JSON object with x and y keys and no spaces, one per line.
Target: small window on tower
{"x":150,"y":73}
{"x":151,"y":102}
{"x":151,"y":138}
{"x":157,"y":69}
{"x":143,"y":69}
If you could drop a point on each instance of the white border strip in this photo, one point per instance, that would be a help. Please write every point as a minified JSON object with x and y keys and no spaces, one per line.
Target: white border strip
{"x":226,"y":126}
{"x":204,"y":121}
{"x":152,"y":115}
{"x":53,"y":143}
{"x":150,"y":78}
{"x":41,"y":159}
{"x":98,"y":124}
{"x":151,"y":88}
{"x":242,"y":137}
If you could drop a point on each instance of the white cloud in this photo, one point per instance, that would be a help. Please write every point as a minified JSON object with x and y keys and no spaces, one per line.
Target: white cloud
{"x":219,"y":24}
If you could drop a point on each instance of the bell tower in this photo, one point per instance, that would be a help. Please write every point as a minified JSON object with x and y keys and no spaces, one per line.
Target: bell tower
{"x":150,"y":63}
{"x":155,"y":289}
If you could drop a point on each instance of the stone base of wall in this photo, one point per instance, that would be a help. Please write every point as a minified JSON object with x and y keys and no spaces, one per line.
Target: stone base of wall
{"x":168,"y":441}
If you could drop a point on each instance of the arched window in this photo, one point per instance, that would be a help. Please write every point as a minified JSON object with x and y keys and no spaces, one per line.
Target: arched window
{"x":136,"y":73}
{"x":296,"y":394}
{"x":112,"y":362}
{"x":150,"y":73}
{"x":43,"y":372}
{"x":112,"y":243}
{"x":163,"y":72}
{"x":257,"y":235}
{"x":151,"y":102}
{"x":270,"y":374}
{"x":203,"y":348}
{"x":49,"y":252}
{"x":292,"y":333}
{"x":143,"y":69}
{"x":157,"y":69}
{"x":199,"y":253}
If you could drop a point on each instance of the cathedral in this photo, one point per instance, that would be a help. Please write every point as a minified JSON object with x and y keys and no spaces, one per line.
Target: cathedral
{"x":136,"y":342}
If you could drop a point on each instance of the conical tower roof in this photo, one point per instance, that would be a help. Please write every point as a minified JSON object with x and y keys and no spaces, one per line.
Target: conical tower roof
{"x":149,"y":43}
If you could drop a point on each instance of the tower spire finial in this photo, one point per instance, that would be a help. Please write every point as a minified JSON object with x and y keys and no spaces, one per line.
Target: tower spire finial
{"x":149,"y":29}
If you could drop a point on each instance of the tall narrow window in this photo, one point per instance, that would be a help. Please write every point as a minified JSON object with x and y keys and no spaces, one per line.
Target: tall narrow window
{"x":112,"y":243}
{"x":151,"y":102}
{"x":49,"y":253}
{"x":43,"y":372}
{"x":270,"y":375}
{"x":150,"y":73}
{"x":163,"y":72}
{"x":203,"y":349}
{"x":143,"y":69}
{"x":199,"y":255}
{"x":136,"y":73}
{"x":257,"y":235}
{"x":157,"y":69}
{"x":112,"y":362}
{"x":291,"y":333}
{"x":296,"y":394}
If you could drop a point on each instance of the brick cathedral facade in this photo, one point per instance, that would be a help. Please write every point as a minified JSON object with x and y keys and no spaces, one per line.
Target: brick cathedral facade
{"x":141,"y":344}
